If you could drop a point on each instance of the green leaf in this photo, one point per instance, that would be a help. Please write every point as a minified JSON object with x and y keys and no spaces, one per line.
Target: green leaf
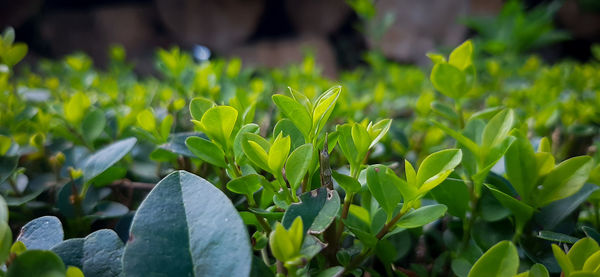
{"x":498,"y":128}
{"x":3,"y":210}
{"x":93,"y":125}
{"x":165,"y":127}
{"x":73,"y":272}
{"x":286,"y":244}
{"x":41,"y":233}
{"x":460,"y":138}
{"x":323,"y":108}
{"x":106,"y":157}
{"x":349,"y":184}
{"x":520,"y":164}
{"x":520,"y":210}
{"x":98,"y":254}
{"x":297,"y":164}
{"x":564,"y":180}
{"x":361,"y":139}
{"x":36,"y":263}
{"x":199,"y":105}
{"x":591,"y":233}
{"x":5,"y":241}
{"x":444,"y":110}
{"x":500,"y":260}
{"x":581,"y":250}
{"x":449,"y":80}
{"x":346,"y":144}
{"x":5,"y":143}
{"x":317,"y":209}
{"x":378,"y":130}
{"x":255,"y":148}
{"x":436,"y":167}
{"x":592,"y":262}
{"x":538,"y":270}
{"x":14,"y":54}
{"x":296,"y":112}
{"x":563,"y":261}
{"x":278,"y":153}
{"x":382,"y":187}
{"x":461,"y":56}
{"x":206,"y":150}
{"x":239,"y":137}
{"x":421,"y":216}
{"x":557,"y":237}
{"x":186,"y":217}
{"x":287,"y":128}
{"x":550,"y":216}
{"x":246,"y":185}
{"x":454,"y":194}
{"x":218,"y":123}
{"x":75,"y":108}
{"x":146,"y":120}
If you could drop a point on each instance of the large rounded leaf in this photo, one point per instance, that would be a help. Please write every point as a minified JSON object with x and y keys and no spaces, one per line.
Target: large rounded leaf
{"x":187,"y":227}
{"x":106,"y":157}
{"x":41,"y":233}
{"x":98,"y":254}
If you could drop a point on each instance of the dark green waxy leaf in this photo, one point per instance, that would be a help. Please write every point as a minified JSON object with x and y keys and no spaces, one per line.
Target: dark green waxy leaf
{"x":486,"y":234}
{"x":298,"y":164}
{"x":206,"y":150}
{"x":93,"y":124}
{"x":177,"y":144}
{"x":557,"y":237}
{"x":550,"y":216}
{"x":311,"y":246}
{"x":109,"y":209}
{"x":382,"y":185}
{"x":36,"y":263}
{"x":500,"y":260}
{"x":41,"y":233}
{"x":7,"y":165}
{"x":317,"y":209}
{"x":106,"y":157}
{"x":421,"y":216}
{"x":349,"y":184}
{"x":591,"y":233}
{"x":295,"y":112}
{"x":267,"y":214}
{"x":185,"y":217}
{"x":449,"y":80}
{"x":331,"y":272}
{"x":97,"y":255}
{"x":454,"y":194}
{"x":564,"y":180}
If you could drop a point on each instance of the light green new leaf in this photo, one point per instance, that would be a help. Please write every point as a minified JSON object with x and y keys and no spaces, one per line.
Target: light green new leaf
{"x":460,"y":138}
{"x":421,"y":216}
{"x":15,"y":54}
{"x":563,"y":260}
{"x":544,"y":145}
{"x":75,"y":108}
{"x":461,"y":56}
{"x":378,"y":130}
{"x":298,"y":163}
{"x":296,"y":112}
{"x":361,"y":139}
{"x":382,"y":187}
{"x":323,"y":108}
{"x":5,"y":143}
{"x":436,"y":167}
{"x":199,"y":105}
{"x":592,"y":263}
{"x":498,"y":128}
{"x":349,"y":184}
{"x":449,"y":80}
{"x":520,"y":164}
{"x":502,"y":260}
{"x":411,"y":174}
{"x":285,"y":244}
{"x":246,"y":185}
{"x":278,"y":153}
{"x":581,"y":251}
{"x":206,"y":150}
{"x":255,"y":148}
{"x":218,"y":123}
{"x":564,"y":180}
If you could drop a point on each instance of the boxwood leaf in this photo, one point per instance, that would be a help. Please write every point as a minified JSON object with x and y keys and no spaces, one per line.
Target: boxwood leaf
{"x":349,"y":184}
{"x":501,"y":260}
{"x":581,"y":250}
{"x":106,"y":157}
{"x":298,"y":163}
{"x":98,"y":254}
{"x":41,"y":233}
{"x":278,"y":153}
{"x":449,"y":80}
{"x":296,"y":112}
{"x":563,"y":261}
{"x":246,"y":185}
{"x":323,"y":108}
{"x":564,"y":180}
{"x":498,"y":128}
{"x":206,"y":150}
{"x":93,"y":124}
{"x":520,"y":164}
{"x":317,"y":209}
{"x":36,"y":263}
{"x":218,"y":123}
{"x":454,"y":194}
{"x":5,"y":241}
{"x":186,"y":217}
{"x":436,"y":167}
{"x":199,"y":105}
{"x":421,"y":216}
{"x":382,"y":187}
{"x":255,"y":148}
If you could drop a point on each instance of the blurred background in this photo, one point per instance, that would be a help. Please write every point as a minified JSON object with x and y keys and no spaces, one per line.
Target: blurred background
{"x":276,"y":33}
